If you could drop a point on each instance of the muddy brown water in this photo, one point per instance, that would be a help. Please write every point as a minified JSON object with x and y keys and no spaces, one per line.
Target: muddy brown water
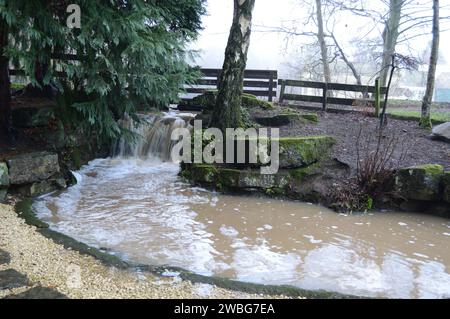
{"x":141,"y":211}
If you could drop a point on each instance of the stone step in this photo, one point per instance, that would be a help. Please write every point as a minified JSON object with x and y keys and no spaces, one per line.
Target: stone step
{"x":38,"y":293}
{"x":5,"y":258}
{"x":11,"y":278}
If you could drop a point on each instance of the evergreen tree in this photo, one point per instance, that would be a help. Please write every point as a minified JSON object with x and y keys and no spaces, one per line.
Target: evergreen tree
{"x":126,"y":54}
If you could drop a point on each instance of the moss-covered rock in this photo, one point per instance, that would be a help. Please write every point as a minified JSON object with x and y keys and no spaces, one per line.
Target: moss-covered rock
{"x":251,"y":101}
{"x":202,"y":173}
{"x":446,"y":184}
{"x":208,"y":101}
{"x":296,"y":152}
{"x":420,"y":183}
{"x":286,"y":119}
{"x":4,"y":176}
{"x":245,"y":179}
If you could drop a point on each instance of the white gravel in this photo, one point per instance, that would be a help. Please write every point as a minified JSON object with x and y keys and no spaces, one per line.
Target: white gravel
{"x":78,"y":276}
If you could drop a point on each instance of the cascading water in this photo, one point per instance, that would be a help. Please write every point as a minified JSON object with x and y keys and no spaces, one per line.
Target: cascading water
{"x":152,"y":136}
{"x":136,"y":206}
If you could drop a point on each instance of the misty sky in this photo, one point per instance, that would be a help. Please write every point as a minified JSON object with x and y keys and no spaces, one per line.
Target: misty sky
{"x":268,"y":50}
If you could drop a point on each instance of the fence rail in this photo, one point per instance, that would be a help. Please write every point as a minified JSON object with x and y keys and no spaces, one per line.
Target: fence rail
{"x":261,"y":83}
{"x":325,"y":99}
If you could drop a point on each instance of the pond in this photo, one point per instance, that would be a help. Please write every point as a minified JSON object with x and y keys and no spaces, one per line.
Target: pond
{"x":136,"y":206}
{"x":142,"y":211}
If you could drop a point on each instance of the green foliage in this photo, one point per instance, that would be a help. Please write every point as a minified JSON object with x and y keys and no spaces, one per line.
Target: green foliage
{"x":131,"y":53}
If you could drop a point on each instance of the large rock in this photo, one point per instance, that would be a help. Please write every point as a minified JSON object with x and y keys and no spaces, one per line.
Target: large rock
{"x":296,"y":152}
{"x":32,"y":167}
{"x":245,"y":179}
{"x":446,"y":183}
{"x":317,"y":182}
{"x":420,"y":183}
{"x":4,"y":176}
{"x":312,"y":183}
{"x":442,"y":132}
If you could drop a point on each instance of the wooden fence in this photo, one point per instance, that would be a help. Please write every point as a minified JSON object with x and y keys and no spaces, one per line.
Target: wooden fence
{"x":325,"y":99}
{"x":261,"y":83}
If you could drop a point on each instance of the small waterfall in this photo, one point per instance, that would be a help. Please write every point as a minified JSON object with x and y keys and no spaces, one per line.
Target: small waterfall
{"x":153,"y":136}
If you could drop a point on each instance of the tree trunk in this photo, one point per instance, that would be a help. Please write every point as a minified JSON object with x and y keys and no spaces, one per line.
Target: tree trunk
{"x":425,"y":120}
{"x":5,"y":85}
{"x":390,"y":37}
{"x":322,"y":43}
{"x":227,"y":112}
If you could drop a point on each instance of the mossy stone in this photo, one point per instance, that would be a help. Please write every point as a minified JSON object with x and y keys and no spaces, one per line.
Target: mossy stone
{"x":203,"y":173}
{"x":251,"y":101}
{"x":32,"y":167}
{"x":286,"y":119}
{"x":296,"y":152}
{"x":208,"y":101}
{"x":420,"y":182}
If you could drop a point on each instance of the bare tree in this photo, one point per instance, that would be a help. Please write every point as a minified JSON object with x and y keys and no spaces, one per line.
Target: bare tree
{"x":390,"y":37}
{"x":425,"y":120}
{"x":227,"y":112}
{"x":322,"y":42}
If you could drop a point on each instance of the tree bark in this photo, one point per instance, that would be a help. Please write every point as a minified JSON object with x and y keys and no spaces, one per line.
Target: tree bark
{"x":227,"y":112}
{"x":425,"y":120}
{"x":390,"y":38}
{"x":322,"y":42}
{"x":5,"y":85}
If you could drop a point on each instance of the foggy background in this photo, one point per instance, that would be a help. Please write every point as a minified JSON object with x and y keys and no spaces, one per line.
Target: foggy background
{"x":278,"y":51}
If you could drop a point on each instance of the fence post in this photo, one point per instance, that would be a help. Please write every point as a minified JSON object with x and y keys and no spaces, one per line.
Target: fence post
{"x":325,"y":95}
{"x":377,"y":97}
{"x":270,"y":87}
{"x":282,"y":90}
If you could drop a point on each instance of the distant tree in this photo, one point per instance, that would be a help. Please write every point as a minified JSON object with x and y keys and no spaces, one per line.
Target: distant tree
{"x":425,"y":120}
{"x":390,"y":37}
{"x":322,"y":42}
{"x":227,"y":112}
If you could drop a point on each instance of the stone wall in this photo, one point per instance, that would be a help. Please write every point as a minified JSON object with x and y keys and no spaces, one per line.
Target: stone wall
{"x":306,"y":172}
{"x":31,"y":174}
{"x":425,"y":187}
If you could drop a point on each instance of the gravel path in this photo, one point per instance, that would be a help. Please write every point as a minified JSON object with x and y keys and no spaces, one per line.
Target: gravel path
{"x":50,"y":268}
